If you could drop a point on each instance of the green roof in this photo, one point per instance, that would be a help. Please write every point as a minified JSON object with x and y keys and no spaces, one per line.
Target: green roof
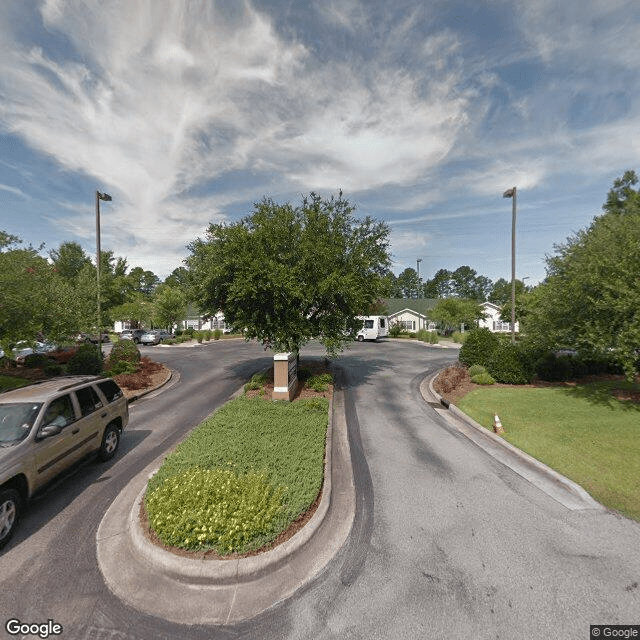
{"x":420,"y":305}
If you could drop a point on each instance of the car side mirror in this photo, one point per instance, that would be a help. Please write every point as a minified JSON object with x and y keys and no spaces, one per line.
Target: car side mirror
{"x":48,"y":431}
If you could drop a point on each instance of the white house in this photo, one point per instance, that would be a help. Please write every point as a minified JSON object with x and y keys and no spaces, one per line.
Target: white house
{"x":492,"y":320}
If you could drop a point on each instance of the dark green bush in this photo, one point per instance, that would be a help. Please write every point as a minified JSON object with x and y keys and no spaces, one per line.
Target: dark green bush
{"x":478,"y":348}
{"x":87,"y":360}
{"x":506,"y":365}
{"x":52,"y":369}
{"x":555,"y":369}
{"x":35,"y":360}
{"x":124,"y":358}
{"x":216,"y":334}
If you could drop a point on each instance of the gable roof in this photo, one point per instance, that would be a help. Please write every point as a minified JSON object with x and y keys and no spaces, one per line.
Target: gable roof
{"x":419,"y":305}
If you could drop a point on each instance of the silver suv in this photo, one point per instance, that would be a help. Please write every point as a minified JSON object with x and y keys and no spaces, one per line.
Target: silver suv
{"x":48,"y":426}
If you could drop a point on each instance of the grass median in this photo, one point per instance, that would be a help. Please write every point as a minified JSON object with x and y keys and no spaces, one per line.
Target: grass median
{"x":588,"y":432}
{"x":242,"y":477}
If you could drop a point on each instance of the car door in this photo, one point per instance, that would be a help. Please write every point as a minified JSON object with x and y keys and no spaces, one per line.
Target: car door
{"x":55,"y":452}
{"x":91,"y":423}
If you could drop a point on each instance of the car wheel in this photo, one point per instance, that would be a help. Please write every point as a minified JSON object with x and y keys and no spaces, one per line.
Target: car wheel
{"x":9,"y":514}
{"x":360,"y":338}
{"x":110,"y":442}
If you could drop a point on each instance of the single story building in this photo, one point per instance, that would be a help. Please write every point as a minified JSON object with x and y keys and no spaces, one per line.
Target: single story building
{"x":492,"y":320}
{"x":412,"y":314}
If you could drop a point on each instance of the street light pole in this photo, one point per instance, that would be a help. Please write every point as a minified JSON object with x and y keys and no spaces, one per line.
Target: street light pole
{"x":418,"y":261}
{"x":512,"y":193}
{"x":107,"y":198}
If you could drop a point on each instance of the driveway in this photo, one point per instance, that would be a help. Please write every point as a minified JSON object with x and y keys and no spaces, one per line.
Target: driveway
{"x":446,"y":543}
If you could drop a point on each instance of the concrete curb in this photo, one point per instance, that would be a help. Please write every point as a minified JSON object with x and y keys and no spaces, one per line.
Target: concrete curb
{"x":220,"y":592}
{"x":448,"y":345}
{"x":559,"y":487}
{"x":152,"y":389}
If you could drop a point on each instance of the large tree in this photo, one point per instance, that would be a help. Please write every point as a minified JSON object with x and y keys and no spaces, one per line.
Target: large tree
{"x":451,"y":313}
{"x":34,"y":297}
{"x":408,"y":283}
{"x":590,"y":299}
{"x":69,"y":260}
{"x":291,"y":274}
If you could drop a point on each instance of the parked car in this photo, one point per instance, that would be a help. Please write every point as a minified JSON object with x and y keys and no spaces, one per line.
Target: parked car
{"x":133,"y":334}
{"x":21,"y":350}
{"x":48,"y":426}
{"x":155,"y":337}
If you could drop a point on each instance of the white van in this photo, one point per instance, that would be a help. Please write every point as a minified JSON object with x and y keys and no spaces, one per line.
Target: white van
{"x":373,"y":327}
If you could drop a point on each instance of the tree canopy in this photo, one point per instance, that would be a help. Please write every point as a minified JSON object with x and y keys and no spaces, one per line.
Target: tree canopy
{"x":453,"y":312}
{"x":291,"y":274}
{"x":590,"y":299}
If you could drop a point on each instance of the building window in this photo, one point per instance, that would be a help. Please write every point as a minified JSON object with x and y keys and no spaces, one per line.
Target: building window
{"x":498,"y":325}
{"x":407,"y":325}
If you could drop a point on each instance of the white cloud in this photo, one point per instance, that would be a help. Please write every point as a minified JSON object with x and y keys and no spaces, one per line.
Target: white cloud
{"x":13,"y":190}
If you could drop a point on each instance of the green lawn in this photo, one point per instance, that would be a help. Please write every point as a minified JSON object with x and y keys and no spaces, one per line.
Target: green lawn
{"x":10,"y":382}
{"x":583,"y":432}
{"x":253,"y":468}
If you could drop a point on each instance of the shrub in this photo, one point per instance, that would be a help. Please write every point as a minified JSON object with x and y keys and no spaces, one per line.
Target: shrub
{"x":422,"y":335}
{"x":199,"y":336}
{"x":458,"y":337}
{"x":395,"y":331}
{"x":216,"y":334}
{"x":35,"y":360}
{"x":554,"y":369}
{"x":86,"y":360}
{"x":320,"y":382}
{"x":478,"y":348}
{"x":124,"y":358}
{"x":476,"y":369}
{"x":482,"y":378}
{"x":214,"y":508}
{"x":52,"y":369}
{"x":256,"y":381}
{"x":433,"y":337}
{"x":506,"y":365}
{"x":207,"y":335}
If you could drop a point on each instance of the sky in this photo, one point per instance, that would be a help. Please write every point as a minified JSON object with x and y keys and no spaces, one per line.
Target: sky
{"x":188,"y":112}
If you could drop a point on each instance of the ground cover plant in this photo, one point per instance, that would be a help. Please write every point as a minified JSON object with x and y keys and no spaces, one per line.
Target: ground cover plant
{"x":242,"y":477}
{"x":589,"y":432}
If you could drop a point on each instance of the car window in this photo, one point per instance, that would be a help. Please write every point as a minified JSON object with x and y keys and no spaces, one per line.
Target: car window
{"x":88,"y":400}
{"x":110,"y":389}
{"x":16,"y":420}
{"x":368,"y":324}
{"x":59,"y":413}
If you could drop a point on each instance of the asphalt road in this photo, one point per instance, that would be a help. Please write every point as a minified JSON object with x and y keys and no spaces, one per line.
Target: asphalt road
{"x":446,"y":543}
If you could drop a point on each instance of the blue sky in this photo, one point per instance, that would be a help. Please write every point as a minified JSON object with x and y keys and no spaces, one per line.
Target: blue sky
{"x":423,"y":113}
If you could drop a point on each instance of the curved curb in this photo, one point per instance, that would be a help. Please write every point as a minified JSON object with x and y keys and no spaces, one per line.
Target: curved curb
{"x":221,"y":572}
{"x":559,"y":487}
{"x":222,"y":592}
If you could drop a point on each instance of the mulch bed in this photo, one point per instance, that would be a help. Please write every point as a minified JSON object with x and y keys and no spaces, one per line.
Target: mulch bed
{"x":315,"y":367}
{"x":454,"y":383}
